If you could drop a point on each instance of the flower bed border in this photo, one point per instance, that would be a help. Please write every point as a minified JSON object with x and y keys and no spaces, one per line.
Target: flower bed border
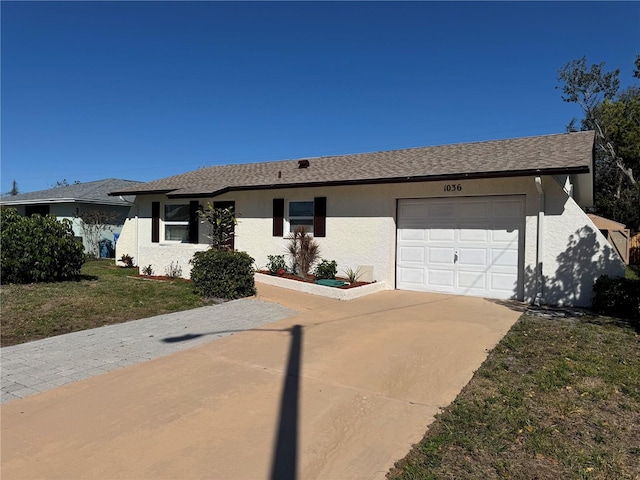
{"x":321,"y":290}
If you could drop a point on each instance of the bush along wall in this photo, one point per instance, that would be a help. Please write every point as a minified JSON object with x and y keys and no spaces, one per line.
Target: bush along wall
{"x":38,"y":249}
{"x":223,"y":274}
{"x":619,"y":297}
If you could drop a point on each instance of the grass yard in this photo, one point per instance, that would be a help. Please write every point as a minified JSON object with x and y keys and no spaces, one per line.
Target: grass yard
{"x":105,"y":295}
{"x":558,"y":398}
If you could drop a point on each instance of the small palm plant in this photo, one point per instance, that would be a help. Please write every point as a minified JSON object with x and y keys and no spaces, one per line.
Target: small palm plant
{"x":352,"y":275}
{"x":304,"y":251}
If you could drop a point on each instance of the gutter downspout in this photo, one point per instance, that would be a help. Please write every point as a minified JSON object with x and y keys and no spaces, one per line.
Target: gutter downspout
{"x":539,"y":298}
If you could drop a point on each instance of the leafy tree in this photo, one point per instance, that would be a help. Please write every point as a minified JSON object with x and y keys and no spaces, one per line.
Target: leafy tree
{"x":615,"y":117}
{"x":94,"y":224}
{"x":38,"y":248}
{"x":221,"y":226}
{"x":64,"y":183}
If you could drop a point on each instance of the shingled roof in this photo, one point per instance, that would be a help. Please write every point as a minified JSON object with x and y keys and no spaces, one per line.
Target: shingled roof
{"x":543,"y":155}
{"x":88,"y":192}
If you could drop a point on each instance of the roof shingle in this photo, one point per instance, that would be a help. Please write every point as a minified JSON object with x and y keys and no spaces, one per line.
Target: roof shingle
{"x":550,"y":154}
{"x":91,"y":192}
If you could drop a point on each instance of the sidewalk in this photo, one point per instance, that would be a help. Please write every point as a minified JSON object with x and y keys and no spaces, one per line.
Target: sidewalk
{"x":42,"y":365}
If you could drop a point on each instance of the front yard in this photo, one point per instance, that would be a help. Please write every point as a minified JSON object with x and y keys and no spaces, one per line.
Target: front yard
{"x":558,"y":398}
{"x":105,"y":295}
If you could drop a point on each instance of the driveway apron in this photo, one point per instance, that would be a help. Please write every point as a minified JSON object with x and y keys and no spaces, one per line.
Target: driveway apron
{"x":341,"y":390}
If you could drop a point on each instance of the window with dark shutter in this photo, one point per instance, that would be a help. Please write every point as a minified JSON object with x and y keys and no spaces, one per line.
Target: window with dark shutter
{"x":194,"y":221}
{"x":155,"y":222}
{"x":319,"y":216}
{"x":278,"y":217}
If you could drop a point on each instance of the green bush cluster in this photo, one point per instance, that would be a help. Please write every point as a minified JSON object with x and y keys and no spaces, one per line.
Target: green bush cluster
{"x":618,"y":297}
{"x":223,"y":274}
{"x":326,"y":270}
{"x":276,"y":264}
{"x":38,"y":249}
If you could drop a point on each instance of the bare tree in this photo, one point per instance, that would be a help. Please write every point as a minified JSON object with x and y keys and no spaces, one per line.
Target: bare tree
{"x":94,"y":224}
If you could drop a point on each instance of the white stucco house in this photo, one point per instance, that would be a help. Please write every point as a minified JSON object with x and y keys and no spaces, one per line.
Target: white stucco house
{"x":69,"y":201}
{"x":498,"y":219}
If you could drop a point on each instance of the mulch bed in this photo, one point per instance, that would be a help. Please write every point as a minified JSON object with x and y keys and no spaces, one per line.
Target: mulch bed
{"x":312,"y":279}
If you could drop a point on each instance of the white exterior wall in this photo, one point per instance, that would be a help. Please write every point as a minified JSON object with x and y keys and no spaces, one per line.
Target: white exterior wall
{"x":575,"y":252}
{"x":361,"y":230}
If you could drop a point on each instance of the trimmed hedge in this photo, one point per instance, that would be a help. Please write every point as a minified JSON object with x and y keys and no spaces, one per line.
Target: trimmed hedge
{"x":619,"y":297}
{"x":223,"y":274}
{"x":38,"y":249}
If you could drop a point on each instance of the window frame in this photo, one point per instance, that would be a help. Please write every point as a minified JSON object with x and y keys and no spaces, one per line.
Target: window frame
{"x":167,"y":223}
{"x":310,"y":218}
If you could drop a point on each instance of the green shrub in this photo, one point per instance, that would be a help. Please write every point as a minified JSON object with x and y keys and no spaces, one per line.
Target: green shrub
{"x":276,"y":264}
{"x":223,"y":274}
{"x":618,"y":297}
{"x":38,"y":249}
{"x":326,"y":269}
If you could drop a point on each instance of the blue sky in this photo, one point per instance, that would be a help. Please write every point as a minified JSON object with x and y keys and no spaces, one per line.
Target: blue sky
{"x":145,"y":90}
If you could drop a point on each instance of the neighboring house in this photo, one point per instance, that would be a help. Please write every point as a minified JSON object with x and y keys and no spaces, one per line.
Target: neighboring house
{"x":499,"y":219}
{"x":70,"y":200}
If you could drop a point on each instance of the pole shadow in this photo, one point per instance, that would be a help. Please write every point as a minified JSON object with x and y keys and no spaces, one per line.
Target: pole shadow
{"x":285,"y":458}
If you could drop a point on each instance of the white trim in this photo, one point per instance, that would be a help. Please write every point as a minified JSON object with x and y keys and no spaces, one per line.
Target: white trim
{"x":165,"y":223}
{"x":287,"y":216}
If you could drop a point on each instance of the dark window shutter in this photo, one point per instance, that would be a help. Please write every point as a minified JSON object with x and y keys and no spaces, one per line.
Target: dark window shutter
{"x":319,"y":216}
{"x":155,"y":222}
{"x":278,"y":217}
{"x":194,"y":221}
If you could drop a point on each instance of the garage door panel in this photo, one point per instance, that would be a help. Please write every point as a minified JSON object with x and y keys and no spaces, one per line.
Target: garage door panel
{"x":472,"y":257}
{"x":472,"y":280}
{"x":508,"y":208}
{"x":440,"y":278}
{"x":412,"y":254}
{"x":505,"y":236}
{"x":474,"y":210}
{"x":504,"y":282}
{"x":412,"y":276}
{"x":413,"y":234}
{"x":441,"y":210}
{"x":441,"y":234}
{"x":504,"y":258}
{"x":473,"y":235}
{"x":441,"y":255}
{"x":472,"y":245}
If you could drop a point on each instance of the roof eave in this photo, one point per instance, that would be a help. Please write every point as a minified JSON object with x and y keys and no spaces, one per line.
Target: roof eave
{"x":39,"y":201}
{"x":376,"y":181}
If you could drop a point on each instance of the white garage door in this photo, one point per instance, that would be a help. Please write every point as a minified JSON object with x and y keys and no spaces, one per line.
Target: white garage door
{"x":465,"y":245}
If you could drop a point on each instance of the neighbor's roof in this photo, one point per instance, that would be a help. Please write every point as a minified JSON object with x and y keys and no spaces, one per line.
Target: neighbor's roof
{"x":89,"y":192}
{"x":544,"y":155}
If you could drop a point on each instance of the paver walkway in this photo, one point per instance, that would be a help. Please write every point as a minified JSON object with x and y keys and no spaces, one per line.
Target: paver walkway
{"x":41,"y":365}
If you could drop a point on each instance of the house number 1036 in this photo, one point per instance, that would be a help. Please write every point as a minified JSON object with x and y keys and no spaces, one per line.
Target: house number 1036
{"x":453,"y":187}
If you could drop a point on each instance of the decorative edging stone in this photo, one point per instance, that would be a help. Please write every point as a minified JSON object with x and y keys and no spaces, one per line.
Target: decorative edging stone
{"x":313,"y":289}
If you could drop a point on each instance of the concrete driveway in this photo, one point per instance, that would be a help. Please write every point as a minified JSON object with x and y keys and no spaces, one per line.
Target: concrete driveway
{"x":341,"y":390}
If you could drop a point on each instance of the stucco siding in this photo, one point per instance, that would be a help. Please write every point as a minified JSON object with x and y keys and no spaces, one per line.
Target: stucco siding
{"x":361,"y":230}
{"x":575,"y":252}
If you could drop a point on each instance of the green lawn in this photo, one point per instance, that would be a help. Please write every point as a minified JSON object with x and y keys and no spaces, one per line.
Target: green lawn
{"x":558,"y":398}
{"x":105,"y":295}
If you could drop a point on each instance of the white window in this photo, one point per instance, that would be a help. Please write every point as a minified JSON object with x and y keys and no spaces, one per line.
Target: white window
{"x":301,"y":213}
{"x":176,"y":223}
